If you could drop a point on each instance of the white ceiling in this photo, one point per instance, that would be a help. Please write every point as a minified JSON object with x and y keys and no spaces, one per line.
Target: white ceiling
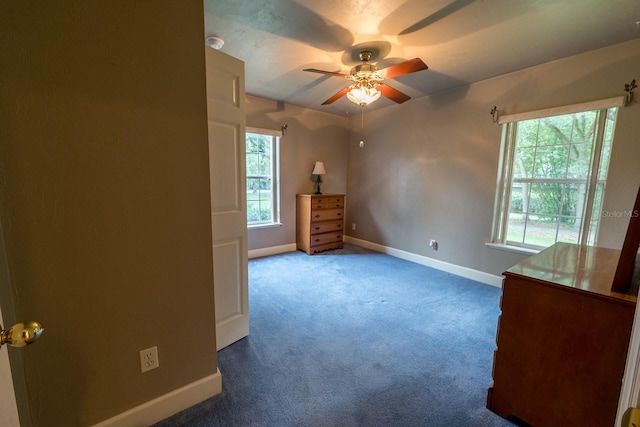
{"x":462,"y":41}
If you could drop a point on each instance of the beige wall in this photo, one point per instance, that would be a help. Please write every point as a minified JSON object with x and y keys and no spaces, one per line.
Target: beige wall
{"x":105,"y":201}
{"x":428,"y":168}
{"x":310,"y":136}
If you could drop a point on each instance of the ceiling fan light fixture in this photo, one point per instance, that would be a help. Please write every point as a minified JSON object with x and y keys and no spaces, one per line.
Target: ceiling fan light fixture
{"x":363,"y":95}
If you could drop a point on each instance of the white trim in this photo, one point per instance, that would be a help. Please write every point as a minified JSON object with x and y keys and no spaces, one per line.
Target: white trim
{"x":265,"y":225}
{"x":511,"y":248}
{"x":469,"y":273}
{"x":169,"y":404}
{"x":618,"y":101}
{"x":272,"y":250}
{"x":8,"y":407}
{"x":249,"y":129}
{"x":630,"y":390}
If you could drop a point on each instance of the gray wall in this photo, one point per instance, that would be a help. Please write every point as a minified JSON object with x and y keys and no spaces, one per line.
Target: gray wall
{"x":104,"y":201}
{"x":311,"y":136}
{"x":428,"y":168}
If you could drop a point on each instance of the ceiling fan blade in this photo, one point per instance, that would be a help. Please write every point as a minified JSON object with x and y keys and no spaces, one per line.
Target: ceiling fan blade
{"x":337,"y":96}
{"x":406,"y":67}
{"x":393,"y":94}
{"x":330,"y":73}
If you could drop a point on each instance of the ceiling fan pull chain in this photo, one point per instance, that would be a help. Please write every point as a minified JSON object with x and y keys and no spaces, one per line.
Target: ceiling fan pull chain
{"x":362,"y":109}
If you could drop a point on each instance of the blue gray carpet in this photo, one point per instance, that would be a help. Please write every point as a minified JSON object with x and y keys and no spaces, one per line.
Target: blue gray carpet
{"x":356,"y":338}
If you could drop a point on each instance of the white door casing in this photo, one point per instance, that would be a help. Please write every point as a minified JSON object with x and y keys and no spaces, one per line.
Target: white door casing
{"x":226,"y":116}
{"x":630,"y":390}
{"x":8,"y":407}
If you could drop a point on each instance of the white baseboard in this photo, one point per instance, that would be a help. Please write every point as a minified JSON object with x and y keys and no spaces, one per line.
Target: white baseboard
{"x":167,"y":405}
{"x":272,"y":250}
{"x":469,"y":273}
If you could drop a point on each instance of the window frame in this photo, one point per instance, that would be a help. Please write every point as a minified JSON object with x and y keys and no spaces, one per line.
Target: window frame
{"x":275,"y":177}
{"x":505,"y":181}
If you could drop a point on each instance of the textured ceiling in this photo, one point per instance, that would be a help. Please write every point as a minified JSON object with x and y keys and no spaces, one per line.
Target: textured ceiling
{"x":462,"y":41}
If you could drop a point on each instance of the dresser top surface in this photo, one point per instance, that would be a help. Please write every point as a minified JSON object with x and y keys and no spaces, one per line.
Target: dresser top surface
{"x":586,"y":268}
{"x":312,"y":196}
{"x":318,"y":195}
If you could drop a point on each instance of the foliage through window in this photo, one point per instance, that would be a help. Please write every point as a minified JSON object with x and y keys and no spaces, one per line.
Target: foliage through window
{"x":262,"y":149}
{"x":553,"y":178}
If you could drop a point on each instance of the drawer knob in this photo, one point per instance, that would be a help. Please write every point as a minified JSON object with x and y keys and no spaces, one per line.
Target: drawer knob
{"x":339,"y":213}
{"x":317,"y":240}
{"x":317,"y":216}
{"x":317,"y":228}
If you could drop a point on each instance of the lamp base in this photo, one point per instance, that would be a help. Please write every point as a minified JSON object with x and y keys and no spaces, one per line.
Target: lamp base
{"x":318,"y":182}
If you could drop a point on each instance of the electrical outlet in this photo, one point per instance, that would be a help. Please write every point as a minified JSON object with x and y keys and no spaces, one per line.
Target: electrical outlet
{"x":433,"y":244}
{"x":353,"y":226}
{"x":149,"y":359}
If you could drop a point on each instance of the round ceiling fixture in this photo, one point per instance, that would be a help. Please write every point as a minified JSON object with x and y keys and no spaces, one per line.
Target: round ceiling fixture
{"x":214,"y":42}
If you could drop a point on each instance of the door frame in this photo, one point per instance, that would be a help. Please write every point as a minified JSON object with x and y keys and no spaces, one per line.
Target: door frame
{"x":630,"y":390}
{"x":9,"y":413}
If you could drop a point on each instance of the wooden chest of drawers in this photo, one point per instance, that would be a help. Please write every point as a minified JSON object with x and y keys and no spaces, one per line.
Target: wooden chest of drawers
{"x":562,"y":339}
{"x":319,"y":222}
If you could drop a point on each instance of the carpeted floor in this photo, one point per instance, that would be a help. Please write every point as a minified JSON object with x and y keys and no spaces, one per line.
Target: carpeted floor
{"x":356,"y":338}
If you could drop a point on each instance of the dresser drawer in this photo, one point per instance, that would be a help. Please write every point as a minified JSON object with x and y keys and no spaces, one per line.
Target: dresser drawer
{"x":325,"y":227}
{"x":321,"y":239}
{"x":326,"y":214}
{"x":328,"y":202}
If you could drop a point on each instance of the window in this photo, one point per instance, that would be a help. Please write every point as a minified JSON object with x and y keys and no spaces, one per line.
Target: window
{"x":263,"y":201}
{"x":552,"y":179}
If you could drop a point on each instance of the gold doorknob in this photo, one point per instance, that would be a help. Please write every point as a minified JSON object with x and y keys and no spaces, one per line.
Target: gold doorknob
{"x":21,"y":334}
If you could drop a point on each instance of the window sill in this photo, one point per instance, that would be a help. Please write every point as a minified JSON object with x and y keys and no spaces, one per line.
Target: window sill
{"x":510,"y":248}
{"x":260,"y":226}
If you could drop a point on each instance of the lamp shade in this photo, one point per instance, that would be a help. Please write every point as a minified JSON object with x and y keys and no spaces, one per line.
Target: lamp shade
{"x":318,"y":169}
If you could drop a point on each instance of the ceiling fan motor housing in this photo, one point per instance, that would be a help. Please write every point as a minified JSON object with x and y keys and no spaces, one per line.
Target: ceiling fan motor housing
{"x":365,"y":74}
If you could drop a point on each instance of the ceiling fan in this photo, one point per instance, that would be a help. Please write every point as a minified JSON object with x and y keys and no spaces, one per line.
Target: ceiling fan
{"x":367,"y":80}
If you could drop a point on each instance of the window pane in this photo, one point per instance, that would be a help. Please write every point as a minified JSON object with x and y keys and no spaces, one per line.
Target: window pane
{"x":253,"y":185}
{"x":556,"y":130}
{"x":580,"y":160}
{"x":253,"y":160}
{"x":540,"y":233}
{"x":551,"y":162}
{"x":546,"y":200}
{"x":527,"y":134}
{"x":519,"y":191}
{"x":584,"y":126}
{"x":515,"y":228}
{"x":253,"y":210}
{"x":523,"y":158}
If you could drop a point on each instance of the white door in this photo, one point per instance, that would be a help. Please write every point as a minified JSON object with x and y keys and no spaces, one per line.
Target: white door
{"x":225,"y":106}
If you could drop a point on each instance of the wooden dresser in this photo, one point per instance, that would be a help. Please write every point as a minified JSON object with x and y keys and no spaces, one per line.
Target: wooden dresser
{"x":562,"y":339}
{"x":319,"y":222}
